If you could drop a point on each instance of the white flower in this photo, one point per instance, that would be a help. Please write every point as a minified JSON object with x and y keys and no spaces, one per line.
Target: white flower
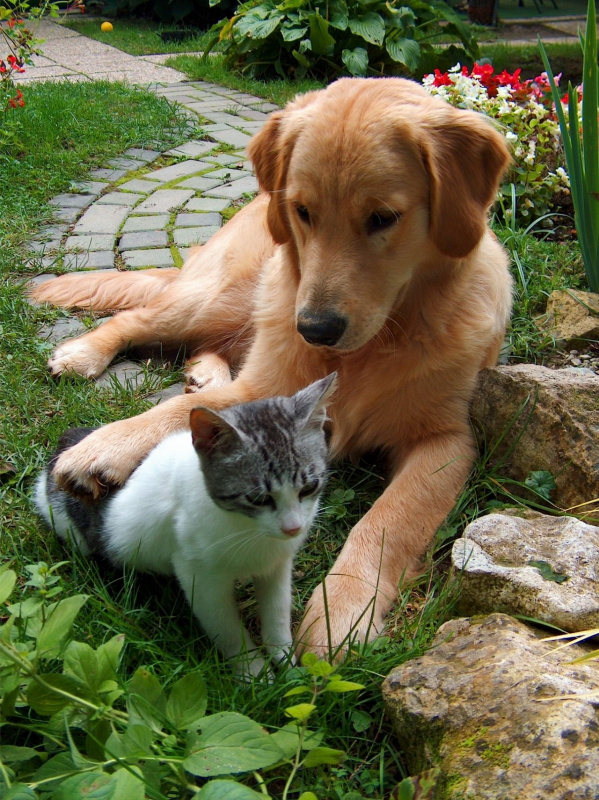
{"x":511,"y":136}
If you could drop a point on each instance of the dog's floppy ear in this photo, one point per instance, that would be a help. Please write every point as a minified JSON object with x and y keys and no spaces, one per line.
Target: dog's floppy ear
{"x":465,"y":157}
{"x":270,"y":151}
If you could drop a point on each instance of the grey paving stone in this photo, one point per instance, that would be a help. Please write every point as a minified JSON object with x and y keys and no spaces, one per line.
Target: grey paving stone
{"x":61,"y":329}
{"x":71,"y":200}
{"x":263,"y":106}
{"x":199,"y":220}
{"x":180,"y":170}
{"x":89,"y":187}
{"x":38,"y":280}
{"x":193,"y":148}
{"x":235,"y":190}
{"x":138,"y":185}
{"x":138,"y":259}
{"x":143,"y":239}
{"x":100,"y":241}
{"x":252,"y":126}
{"x":207,"y":204}
{"x":165,"y":394}
{"x":228,"y":174}
{"x":208,"y":105}
{"x":66,"y":214}
{"x":128,"y":164}
{"x":102,"y":218}
{"x":142,"y":154}
{"x":187,"y":236}
{"x":250,"y":113}
{"x":231,"y":136}
{"x":164,"y":200}
{"x":120,"y":198}
{"x":227,"y":119}
{"x":96,"y":259}
{"x":224,"y":159}
{"x":125,"y":373}
{"x":44,"y":247}
{"x":154,"y":222}
{"x":212,"y":129}
{"x":109,"y":174}
{"x":200,"y":183}
{"x":50,"y":232}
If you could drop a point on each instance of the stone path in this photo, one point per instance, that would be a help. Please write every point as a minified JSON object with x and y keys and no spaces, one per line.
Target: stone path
{"x":146,"y":208}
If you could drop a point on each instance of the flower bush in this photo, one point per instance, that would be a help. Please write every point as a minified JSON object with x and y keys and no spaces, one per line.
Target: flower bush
{"x":525,"y":110}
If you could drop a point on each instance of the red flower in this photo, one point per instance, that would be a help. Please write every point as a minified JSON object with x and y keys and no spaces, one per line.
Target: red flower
{"x":442,"y":79}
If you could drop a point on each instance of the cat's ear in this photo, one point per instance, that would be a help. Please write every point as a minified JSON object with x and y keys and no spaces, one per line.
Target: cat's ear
{"x":209,"y":429}
{"x":311,"y":402}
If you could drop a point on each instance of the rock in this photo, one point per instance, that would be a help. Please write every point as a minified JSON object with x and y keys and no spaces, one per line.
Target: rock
{"x":477,"y":706}
{"x":497,"y":557}
{"x":572,"y":316}
{"x":534,"y":418}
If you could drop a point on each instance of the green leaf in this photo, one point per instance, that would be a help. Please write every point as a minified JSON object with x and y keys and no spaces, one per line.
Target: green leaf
{"x":228,"y":790}
{"x":301,"y":711}
{"x":59,"y":623}
{"x":108,"y":657}
{"x":291,"y":34}
{"x":47,"y":700}
{"x":300,"y":58}
{"x":230,"y":743}
{"x":81,"y":661}
{"x":308,"y":796}
{"x":258,"y":28}
{"x":320,"y":668}
{"x":88,"y":785}
{"x":323,"y":755}
{"x":419,"y":787}
{"x":146,"y":701}
{"x":309,"y":659}
{"x":547,"y":572}
{"x":54,"y":771}
{"x":369,"y":26}
{"x":298,"y":690}
{"x":10,"y":753}
{"x":322,"y":41}
{"x":136,"y":742}
{"x":7,"y":584}
{"x":287,"y":739}
{"x":356,"y":61}
{"x":27,"y":608}
{"x":338,"y":16}
{"x":541,"y":482}
{"x":288,"y":5}
{"x":126,"y":786}
{"x":187,"y":701}
{"x":404,"y":51}
{"x":360,"y":720}
{"x":19,"y":791}
{"x":342,"y":686}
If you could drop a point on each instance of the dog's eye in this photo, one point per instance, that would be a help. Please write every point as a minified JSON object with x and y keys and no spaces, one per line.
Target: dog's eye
{"x":380,"y":220}
{"x":303,"y":214}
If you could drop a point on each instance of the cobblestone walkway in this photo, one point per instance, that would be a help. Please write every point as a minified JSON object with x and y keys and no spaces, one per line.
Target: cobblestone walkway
{"x":147,"y":209}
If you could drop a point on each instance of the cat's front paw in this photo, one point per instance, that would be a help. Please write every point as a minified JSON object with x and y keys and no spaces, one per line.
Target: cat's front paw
{"x":79,"y":356}
{"x":249,"y":666}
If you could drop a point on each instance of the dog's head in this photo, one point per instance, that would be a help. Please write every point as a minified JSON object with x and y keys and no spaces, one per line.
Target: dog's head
{"x":372,"y":183}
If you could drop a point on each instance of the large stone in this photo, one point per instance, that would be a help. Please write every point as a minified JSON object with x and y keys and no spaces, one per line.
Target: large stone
{"x":480,"y":706}
{"x":534,"y":418}
{"x":571,"y":317}
{"x":538,"y":566}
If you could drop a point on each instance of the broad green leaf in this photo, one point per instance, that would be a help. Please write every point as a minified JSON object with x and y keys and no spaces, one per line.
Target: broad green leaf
{"x":309,"y":659}
{"x":547,"y":571}
{"x":136,"y":742}
{"x":146,"y":701}
{"x":7,"y":584}
{"x":81,"y":661}
{"x":187,"y":701}
{"x":86,"y":785}
{"x":54,"y":771}
{"x":360,"y":720}
{"x":322,"y":41}
{"x":228,"y":790}
{"x":291,"y":34}
{"x":59,"y":623}
{"x":258,"y":28}
{"x":404,"y":51}
{"x":9,"y":753}
{"x":356,"y":61}
{"x":542,"y":482}
{"x":320,"y":668}
{"x":27,"y":608}
{"x":229,"y":743}
{"x":287,"y":739}
{"x":126,"y":786}
{"x":301,"y":711}
{"x":419,"y":787}
{"x":338,"y":15}
{"x":342,"y":686}
{"x":47,"y":699}
{"x":308,"y":796}
{"x":323,"y":755}
{"x":108,"y":657}
{"x":19,"y":791}
{"x":300,"y":58}
{"x":298,"y":690}
{"x":287,"y":5}
{"x":369,"y":26}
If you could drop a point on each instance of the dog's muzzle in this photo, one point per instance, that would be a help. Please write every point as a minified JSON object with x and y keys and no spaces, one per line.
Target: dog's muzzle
{"x":321,"y":329}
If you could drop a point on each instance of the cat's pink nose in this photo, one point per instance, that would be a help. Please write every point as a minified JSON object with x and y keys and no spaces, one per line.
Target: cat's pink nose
{"x":290,"y":531}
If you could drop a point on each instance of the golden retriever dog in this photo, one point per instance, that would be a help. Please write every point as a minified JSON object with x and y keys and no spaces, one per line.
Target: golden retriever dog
{"x":367,"y":253}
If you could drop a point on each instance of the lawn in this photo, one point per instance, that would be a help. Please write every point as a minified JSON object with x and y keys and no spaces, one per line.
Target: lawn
{"x":66,"y":131}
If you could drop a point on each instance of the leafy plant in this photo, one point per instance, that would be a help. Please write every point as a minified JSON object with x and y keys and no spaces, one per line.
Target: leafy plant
{"x":71,"y":731}
{"x":580,"y":147}
{"x":296,"y":38}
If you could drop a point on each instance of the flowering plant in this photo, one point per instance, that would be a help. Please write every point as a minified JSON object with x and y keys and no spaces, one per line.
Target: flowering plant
{"x":525,"y":110}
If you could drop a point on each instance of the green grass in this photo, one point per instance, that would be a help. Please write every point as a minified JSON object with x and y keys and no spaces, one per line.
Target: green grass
{"x":565,"y":58}
{"x":139,"y":37}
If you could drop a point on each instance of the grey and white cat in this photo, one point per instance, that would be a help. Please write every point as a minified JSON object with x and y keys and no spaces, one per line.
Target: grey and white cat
{"x":235,"y":499}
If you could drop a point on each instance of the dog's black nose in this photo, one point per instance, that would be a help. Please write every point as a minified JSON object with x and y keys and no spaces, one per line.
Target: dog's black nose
{"x":321,"y":329}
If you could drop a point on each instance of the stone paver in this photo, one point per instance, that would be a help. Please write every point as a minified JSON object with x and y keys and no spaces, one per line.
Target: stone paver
{"x":143,"y":239}
{"x":234,"y":190}
{"x":187,"y":236}
{"x":100,"y":241}
{"x":102,"y":219}
{"x":200,"y":220}
{"x":140,"y":259}
{"x":148,"y":223}
{"x":120,"y":198}
{"x":163,"y":201}
{"x":207,"y":204}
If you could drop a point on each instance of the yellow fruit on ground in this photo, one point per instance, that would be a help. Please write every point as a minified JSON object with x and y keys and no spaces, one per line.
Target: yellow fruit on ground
{"x":106,"y":27}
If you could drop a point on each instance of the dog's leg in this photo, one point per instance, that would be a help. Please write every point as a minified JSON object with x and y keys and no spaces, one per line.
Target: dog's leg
{"x":387,"y":545}
{"x":206,"y":370}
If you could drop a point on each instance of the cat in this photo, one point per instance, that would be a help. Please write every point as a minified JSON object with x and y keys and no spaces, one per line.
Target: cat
{"x":234,"y":499}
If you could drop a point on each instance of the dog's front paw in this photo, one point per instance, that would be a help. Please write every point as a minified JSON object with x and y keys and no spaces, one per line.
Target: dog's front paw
{"x":103,"y":459}
{"x":79,"y":356}
{"x":207,"y":371}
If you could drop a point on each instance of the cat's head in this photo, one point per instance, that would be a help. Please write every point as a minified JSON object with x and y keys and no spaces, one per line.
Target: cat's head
{"x":267,"y":459}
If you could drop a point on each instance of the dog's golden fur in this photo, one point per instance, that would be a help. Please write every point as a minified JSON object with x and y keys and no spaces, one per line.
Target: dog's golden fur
{"x":373,"y":211}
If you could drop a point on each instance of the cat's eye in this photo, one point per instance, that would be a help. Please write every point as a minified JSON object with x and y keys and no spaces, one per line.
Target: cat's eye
{"x":309,"y":489}
{"x":381,"y":220}
{"x":303,"y":214}
{"x":261,"y":500}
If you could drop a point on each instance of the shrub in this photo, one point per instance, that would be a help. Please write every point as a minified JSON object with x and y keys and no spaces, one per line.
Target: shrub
{"x":525,"y":109}
{"x":324,"y":38}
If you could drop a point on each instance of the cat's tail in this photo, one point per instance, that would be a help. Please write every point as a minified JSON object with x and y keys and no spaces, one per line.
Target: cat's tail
{"x":53,"y":508}
{"x":104,"y":291}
